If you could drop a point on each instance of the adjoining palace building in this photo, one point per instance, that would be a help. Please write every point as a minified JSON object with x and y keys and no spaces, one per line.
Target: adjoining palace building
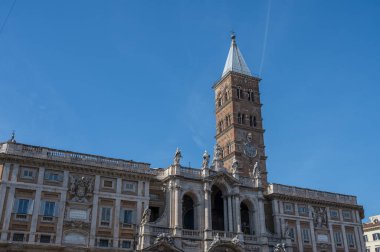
{"x":55,"y":200}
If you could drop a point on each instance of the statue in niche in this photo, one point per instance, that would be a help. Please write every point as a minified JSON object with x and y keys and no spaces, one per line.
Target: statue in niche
{"x":319,"y":217}
{"x":206,"y":159}
{"x":81,"y":188}
{"x":177,"y":157}
{"x":146,"y":216}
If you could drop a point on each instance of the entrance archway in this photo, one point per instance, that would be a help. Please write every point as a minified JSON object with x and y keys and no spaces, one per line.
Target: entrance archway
{"x":247,"y":218}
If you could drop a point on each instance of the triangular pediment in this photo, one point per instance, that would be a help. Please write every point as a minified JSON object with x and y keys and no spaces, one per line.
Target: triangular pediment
{"x":224,"y":176}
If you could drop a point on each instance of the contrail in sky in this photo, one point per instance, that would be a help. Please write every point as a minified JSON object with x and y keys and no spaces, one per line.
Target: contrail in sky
{"x":265,"y":37}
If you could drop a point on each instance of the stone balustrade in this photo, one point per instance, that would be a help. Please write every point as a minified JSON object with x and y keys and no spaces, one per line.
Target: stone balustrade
{"x":191,"y":233}
{"x":73,"y":157}
{"x":311,"y":194}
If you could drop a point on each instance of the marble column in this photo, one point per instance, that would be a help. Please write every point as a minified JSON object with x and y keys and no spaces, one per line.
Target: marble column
{"x":177,"y":205}
{"x":62,"y":207}
{"x":3,"y":187}
{"x":344,"y":238}
{"x":94,"y":216}
{"x":276,"y":212}
{"x":207,"y":207}
{"x":299,"y":236}
{"x":237,"y":214}
{"x":262,"y":216}
{"x":230,"y":226}
{"x":116,"y":225}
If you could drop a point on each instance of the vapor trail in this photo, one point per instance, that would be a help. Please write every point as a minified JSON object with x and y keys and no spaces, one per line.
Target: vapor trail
{"x":265,"y":37}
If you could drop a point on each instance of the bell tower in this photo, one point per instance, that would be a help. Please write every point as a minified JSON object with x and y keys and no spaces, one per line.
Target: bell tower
{"x":239,"y":128}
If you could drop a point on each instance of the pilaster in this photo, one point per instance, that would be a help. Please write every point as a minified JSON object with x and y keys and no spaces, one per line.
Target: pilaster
{"x":8,"y":213}
{"x":3,"y":186}
{"x":229,"y":202}
{"x":62,"y":207}
{"x":344,"y":238}
{"x":313,"y":240}
{"x":94,"y":216}
{"x":299,"y":236}
{"x":116,"y":225}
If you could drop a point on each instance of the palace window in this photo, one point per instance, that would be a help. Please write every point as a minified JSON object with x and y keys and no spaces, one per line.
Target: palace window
{"x":103,"y":243}
{"x":21,"y":206}
{"x":288,"y":207}
{"x":338,"y":238}
{"x":126,"y":244}
{"x":365,"y":238}
{"x":27,"y":173}
{"x":303,"y":210}
{"x":292,"y":234}
{"x":105,"y":216}
{"x":107,"y":183}
{"x":377,"y":249}
{"x":53,"y":176}
{"x":350,"y":240}
{"x":376,"y":236}
{"x":45,"y":238}
{"x":129,"y":186}
{"x":128,"y":217}
{"x":306,"y":235}
{"x":334,"y":214}
{"x":18,"y":237}
{"x":346,"y":215}
{"x":49,"y":209}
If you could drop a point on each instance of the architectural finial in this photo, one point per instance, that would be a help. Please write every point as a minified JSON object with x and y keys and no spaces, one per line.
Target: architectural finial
{"x":13,"y":137}
{"x":233,"y":36}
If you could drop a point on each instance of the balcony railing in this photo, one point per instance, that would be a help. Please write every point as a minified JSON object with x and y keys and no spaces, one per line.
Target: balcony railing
{"x":311,"y":194}
{"x":74,"y":157}
{"x":191,"y":233}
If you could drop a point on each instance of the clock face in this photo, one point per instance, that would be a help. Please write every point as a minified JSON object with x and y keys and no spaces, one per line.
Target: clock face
{"x":250,"y":150}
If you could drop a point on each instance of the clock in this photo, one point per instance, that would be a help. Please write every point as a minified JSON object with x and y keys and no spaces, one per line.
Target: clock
{"x":250,"y":150}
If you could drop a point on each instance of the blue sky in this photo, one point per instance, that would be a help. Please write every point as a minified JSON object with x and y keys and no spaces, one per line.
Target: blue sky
{"x":132,"y":79}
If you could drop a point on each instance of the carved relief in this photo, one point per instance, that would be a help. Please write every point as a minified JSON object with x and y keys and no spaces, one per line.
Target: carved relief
{"x":81,"y":188}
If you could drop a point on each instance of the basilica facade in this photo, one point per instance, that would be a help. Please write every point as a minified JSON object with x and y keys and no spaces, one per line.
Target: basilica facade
{"x":57,"y":200}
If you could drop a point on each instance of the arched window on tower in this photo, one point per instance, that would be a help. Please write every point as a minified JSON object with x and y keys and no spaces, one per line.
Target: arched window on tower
{"x":254,"y":121}
{"x":243,"y":118}
{"x":220,"y":126}
{"x":239,"y":92}
{"x":239,"y":118}
{"x":220,"y":102}
{"x":251,"y":120}
{"x":226,"y":96}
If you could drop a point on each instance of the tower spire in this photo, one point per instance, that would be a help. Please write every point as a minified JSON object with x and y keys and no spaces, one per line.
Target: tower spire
{"x":235,"y":61}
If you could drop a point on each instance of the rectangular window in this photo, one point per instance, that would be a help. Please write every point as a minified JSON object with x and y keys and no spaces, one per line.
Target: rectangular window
{"x":129,"y":186}
{"x":334,"y":214}
{"x":53,"y":176}
{"x":346,"y":215}
{"x":303,"y":210}
{"x":105,"y":216}
{"x":27,"y":173}
{"x":288,"y":207}
{"x":45,"y":238}
{"x":306,"y":235}
{"x":128,"y":217}
{"x":366,"y":238}
{"x":292,"y":234}
{"x":126,"y":244}
{"x":350,"y":240}
{"x":376,"y":249}
{"x":103,"y":243}
{"x":18,"y":237}
{"x":23,"y":205}
{"x":108,"y":183}
{"x":338,"y":238}
{"x":49,"y":208}
{"x":376,"y":236}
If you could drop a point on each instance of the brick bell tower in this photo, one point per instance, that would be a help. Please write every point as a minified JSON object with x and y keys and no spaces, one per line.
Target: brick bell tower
{"x":239,"y":128}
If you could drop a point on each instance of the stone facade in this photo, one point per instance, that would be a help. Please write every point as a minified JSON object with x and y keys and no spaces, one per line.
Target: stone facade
{"x":372,"y":234}
{"x":65,"y":201}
